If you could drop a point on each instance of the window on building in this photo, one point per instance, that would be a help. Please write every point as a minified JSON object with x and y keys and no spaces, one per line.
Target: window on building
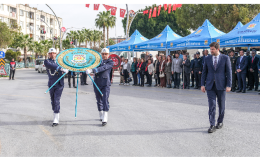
{"x":47,"y":20}
{"x":8,"y":8}
{"x":1,"y":7}
{"x":28,"y":14}
{"x":37,"y":27}
{"x":55,"y":31}
{"x":28,"y":24}
{"x":37,"y":16}
{"x":37,"y":38}
{"x":47,"y":30}
{"x":21,"y":24}
{"x":21,"y":12}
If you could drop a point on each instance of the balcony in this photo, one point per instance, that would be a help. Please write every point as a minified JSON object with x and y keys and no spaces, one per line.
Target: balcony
{"x":31,"y":15}
{"x":42,"y":18}
{"x":12,"y":15}
{"x":51,"y":21}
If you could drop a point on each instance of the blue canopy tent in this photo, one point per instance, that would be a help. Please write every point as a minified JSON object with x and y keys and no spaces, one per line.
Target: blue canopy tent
{"x":199,"y":39}
{"x":246,"y":36}
{"x":159,"y":42}
{"x":128,"y":44}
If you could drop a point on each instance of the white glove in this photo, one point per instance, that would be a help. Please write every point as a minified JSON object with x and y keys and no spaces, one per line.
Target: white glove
{"x":65,"y":70}
{"x":88,"y":71}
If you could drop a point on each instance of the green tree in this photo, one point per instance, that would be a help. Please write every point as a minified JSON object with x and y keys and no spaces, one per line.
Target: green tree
{"x":10,"y":54}
{"x":47,"y":44}
{"x":222,"y":16}
{"x":111,"y":22}
{"x":101,"y":22}
{"x":111,"y":42}
{"x":66,"y":44}
{"x":6,"y":37}
{"x":150,"y":28}
{"x":37,"y":48}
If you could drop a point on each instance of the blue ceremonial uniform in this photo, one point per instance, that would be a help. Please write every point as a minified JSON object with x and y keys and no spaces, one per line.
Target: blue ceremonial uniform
{"x":54,"y":73}
{"x":102,"y":79}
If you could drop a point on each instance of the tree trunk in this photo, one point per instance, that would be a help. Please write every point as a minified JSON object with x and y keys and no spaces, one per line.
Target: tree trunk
{"x":90,"y":43}
{"x":99,"y":42}
{"x":94,"y":43}
{"x":104,"y":36}
{"x":86,"y":44}
{"x":36,"y":55}
{"x":25,"y":57}
{"x":107,"y":36}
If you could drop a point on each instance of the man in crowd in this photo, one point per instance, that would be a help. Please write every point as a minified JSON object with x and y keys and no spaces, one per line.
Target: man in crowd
{"x":241,"y":68}
{"x":253,"y":72}
{"x":71,"y":75}
{"x":121,"y":71}
{"x":186,"y":68}
{"x":247,"y":73}
{"x":233,"y":61}
{"x":157,"y":64}
{"x":176,"y":70}
{"x":12,"y":69}
{"x":192,"y":74}
{"x":205,"y":54}
{"x":196,"y":69}
{"x":83,"y":78}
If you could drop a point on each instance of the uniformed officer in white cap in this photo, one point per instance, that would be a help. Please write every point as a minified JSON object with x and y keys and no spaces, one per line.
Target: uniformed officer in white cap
{"x":102,"y":79}
{"x":54,"y":72}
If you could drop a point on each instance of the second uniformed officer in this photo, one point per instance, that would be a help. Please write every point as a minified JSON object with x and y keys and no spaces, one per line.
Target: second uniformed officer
{"x":233,"y":61}
{"x":54,"y":73}
{"x":102,"y":79}
{"x":196,"y":69}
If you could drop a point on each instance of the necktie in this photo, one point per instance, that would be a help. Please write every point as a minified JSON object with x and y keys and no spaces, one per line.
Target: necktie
{"x":215,"y":63}
{"x":241,"y":58}
{"x":252,"y":59}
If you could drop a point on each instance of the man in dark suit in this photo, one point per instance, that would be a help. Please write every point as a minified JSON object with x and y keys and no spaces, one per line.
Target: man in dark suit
{"x":192,"y":74}
{"x":233,"y":61}
{"x":196,"y":69}
{"x":259,"y":73}
{"x":247,"y":73}
{"x":217,"y":71}
{"x":253,"y":71}
{"x":186,"y":64}
{"x":241,"y":67}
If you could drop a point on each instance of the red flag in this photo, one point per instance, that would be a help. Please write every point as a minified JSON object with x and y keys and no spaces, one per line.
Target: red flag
{"x":174,"y":7}
{"x":165,"y":7}
{"x":87,"y":5}
{"x":150,"y":13}
{"x":96,"y":6}
{"x":154,"y":12}
{"x":113,"y":11}
{"x":159,"y":10}
{"x":122,"y":13}
{"x":107,"y":7}
{"x":145,"y":12}
{"x":169,"y":9}
{"x":178,"y":5}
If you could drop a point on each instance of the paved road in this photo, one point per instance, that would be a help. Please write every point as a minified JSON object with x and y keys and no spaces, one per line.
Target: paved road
{"x":142,"y":122}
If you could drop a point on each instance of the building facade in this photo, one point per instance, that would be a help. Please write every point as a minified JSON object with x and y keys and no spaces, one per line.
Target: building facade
{"x":37,"y":23}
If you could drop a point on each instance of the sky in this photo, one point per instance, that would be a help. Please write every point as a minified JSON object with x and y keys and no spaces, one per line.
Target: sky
{"x":79,"y":16}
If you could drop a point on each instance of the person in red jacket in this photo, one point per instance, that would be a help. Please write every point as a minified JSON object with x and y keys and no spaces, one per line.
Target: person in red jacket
{"x":12,"y":69}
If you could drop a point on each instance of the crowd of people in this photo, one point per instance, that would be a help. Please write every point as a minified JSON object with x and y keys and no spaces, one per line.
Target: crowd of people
{"x":168,"y":71}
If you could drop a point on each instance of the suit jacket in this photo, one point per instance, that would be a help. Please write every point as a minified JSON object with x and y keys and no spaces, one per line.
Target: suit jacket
{"x":51,"y":68}
{"x":186,"y":66}
{"x":176,"y":66}
{"x":168,"y":68}
{"x":142,"y":68}
{"x":254,"y":64}
{"x":222,"y":76}
{"x":243,"y":64}
{"x":258,"y":66}
{"x":102,"y":77}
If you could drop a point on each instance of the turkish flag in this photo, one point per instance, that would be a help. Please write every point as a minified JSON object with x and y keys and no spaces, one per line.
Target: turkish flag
{"x":107,"y":7}
{"x":165,"y":7}
{"x":174,"y":6}
{"x":169,"y":9}
{"x":178,"y":5}
{"x":113,"y":11}
{"x":96,"y":6}
{"x":150,"y":13}
{"x":87,"y":5}
{"x":122,"y":13}
{"x":154,"y":12}
{"x":145,"y":12}
{"x":159,"y":10}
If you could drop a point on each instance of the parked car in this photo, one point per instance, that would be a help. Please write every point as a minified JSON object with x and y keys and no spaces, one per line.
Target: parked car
{"x":38,"y":62}
{"x":41,"y":67}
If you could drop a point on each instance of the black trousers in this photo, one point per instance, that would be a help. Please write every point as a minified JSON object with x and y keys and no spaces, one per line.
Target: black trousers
{"x":253,"y":79}
{"x":73,"y":79}
{"x":134,"y":77}
{"x":126,"y":75}
{"x":149,"y":78}
{"x":83,"y":78}
{"x":197,"y":77}
{"x":186,"y":79}
{"x":142,"y":77}
{"x":176,"y":79}
{"x":12,"y":72}
{"x":158,"y":78}
{"x":192,"y":79}
{"x":234,"y":81}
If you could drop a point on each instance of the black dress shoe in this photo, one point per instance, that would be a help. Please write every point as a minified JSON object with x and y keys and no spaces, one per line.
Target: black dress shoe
{"x":69,"y":86}
{"x":244,"y":91}
{"x":250,"y":89}
{"x":85,"y":84}
{"x":239,"y":91}
{"x":211,"y":129}
{"x":149,"y":86}
{"x":259,"y":93}
{"x":256,"y":89}
{"x":196,"y":87}
{"x":104,"y":123}
{"x":55,"y":124}
{"x":233,"y":90}
{"x":219,"y":125}
{"x":188,"y":87}
{"x":146,"y":83}
{"x":74,"y":86}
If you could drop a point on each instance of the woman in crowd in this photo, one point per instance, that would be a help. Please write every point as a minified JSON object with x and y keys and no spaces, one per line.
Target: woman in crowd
{"x":142,"y":71}
{"x":126,"y":71}
{"x":162,"y":72}
{"x":157,"y":70}
{"x":150,"y":69}
{"x":138,"y":66}
{"x":168,"y":72}
{"x":133,"y":70}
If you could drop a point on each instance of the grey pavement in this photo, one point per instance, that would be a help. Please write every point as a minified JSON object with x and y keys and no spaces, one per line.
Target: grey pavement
{"x":142,"y":121}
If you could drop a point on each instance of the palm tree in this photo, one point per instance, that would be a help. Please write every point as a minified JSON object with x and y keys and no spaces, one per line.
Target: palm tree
{"x":46,"y":45}
{"x":37,"y":48}
{"x":96,"y":34}
{"x":23,"y":41}
{"x":91,"y":37}
{"x":111,"y":22}
{"x":82,"y":37}
{"x":101,"y":22}
{"x":86,"y":34}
